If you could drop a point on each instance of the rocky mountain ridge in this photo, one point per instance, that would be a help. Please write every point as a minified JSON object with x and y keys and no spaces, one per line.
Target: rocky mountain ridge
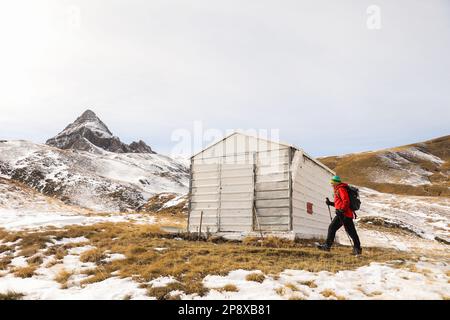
{"x":89,"y":133}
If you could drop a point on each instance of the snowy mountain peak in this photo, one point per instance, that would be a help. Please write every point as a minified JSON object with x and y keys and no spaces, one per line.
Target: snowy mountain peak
{"x":89,"y":114}
{"x":88,"y":120}
{"x":89,"y":133}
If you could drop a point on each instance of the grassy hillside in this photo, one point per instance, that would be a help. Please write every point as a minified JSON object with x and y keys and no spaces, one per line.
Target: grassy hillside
{"x":415,"y":169}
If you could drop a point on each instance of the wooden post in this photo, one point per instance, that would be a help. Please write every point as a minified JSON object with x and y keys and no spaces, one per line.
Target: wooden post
{"x":200,"y":229}
{"x":257,"y":222}
{"x":291,"y":157}
{"x":255,"y":214}
{"x":219,"y":196}
{"x":190,"y":195}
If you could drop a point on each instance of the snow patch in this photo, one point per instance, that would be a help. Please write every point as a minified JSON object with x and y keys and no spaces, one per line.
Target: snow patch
{"x":375,"y":281}
{"x":39,"y":287}
{"x":427,"y":217}
{"x":114,"y":257}
{"x":162,"y":281}
{"x":28,"y":219}
{"x":19,"y":262}
{"x":69,"y":240}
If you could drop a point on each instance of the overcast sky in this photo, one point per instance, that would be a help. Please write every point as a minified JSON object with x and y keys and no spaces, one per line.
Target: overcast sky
{"x":312,"y":69}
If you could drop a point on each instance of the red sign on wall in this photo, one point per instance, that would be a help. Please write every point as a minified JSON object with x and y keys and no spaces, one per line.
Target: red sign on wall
{"x":309,"y":207}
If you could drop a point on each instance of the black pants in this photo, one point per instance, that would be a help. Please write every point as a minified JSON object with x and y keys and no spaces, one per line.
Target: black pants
{"x":349,"y":227}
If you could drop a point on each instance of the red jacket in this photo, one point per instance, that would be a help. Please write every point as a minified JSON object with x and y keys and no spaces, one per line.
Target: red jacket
{"x":341,"y":200}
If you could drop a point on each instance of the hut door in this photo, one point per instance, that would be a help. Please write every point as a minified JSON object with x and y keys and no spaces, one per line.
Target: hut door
{"x":236,"y":191}
{"x":272,"y":191}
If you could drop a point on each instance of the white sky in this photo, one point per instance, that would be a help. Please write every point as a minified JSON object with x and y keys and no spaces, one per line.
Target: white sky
{"x":311,"y":69}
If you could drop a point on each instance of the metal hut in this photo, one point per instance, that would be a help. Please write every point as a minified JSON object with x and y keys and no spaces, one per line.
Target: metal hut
{"x":248,"y":185}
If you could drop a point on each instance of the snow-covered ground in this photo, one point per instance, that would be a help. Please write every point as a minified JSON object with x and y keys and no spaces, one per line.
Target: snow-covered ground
{"x":426,"y":279}
{"x":427,"y":218}
{"x":376,"y":281}
{"x":103,"y":180}
{"x":44,"y":286}
{"x":24,"y":208}
{"x":32,"y":219}
{"x":402,"y":167}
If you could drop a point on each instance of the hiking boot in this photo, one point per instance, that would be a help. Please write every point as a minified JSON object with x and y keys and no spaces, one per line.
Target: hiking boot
{"x":323,"y":247}
{"x":357,"y":251}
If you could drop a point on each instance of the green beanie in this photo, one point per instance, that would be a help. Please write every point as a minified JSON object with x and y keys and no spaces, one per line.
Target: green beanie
{"x":336,"y":179}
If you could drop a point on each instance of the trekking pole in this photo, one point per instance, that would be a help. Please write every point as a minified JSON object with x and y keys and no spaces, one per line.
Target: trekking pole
{"x":331,"y":219}
{"x":348,"y":236}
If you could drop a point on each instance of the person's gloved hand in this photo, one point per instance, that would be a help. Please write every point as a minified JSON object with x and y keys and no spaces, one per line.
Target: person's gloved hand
{"x":329,"y":203}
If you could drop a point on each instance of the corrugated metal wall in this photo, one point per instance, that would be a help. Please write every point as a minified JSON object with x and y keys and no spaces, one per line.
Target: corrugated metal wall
{"x":273,"y":191}
{"x":236,"y":175}
{"x":245,"y":184}
{"x":310,"y":184}
{"x":205,"y":182}
{"x":224,"y":192}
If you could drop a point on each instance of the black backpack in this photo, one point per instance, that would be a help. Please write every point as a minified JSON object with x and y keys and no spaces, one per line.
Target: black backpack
{"x":353,"y":194}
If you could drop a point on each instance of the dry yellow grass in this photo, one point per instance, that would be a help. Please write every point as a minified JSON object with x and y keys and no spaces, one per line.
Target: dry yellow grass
{"x":156,"y":205}
{"x":95,"y":275}
{"x":31,"y":243}
{"x":164,"y":293}
{"x":3,"y":232}
{"x":4,"y":248}
{"x":297,"y":297}
{"x":60,"y":253}
{"x":190,"y":261}
{"x":327,"y":293}
{"x":51,"y":263}
{"x":94,"y":255}
{"x":292,"y":286}
{"x":4,"y":262}
{"x":425,"y":271}
{"x":373,"y":293}
{"x":256,"y":277}
{"x":25,"y":272}
{"x":361,"y":167}
{"x":413,"y":268}
{"x":281,"y":291}
{"x":90,"y":272}
{"x":11,"y":295}
{"x":29,"y":251}
{"x":230,"y":288}
{"x":36,"y":259}
{"x":309,"y":283}
{"x":63,"y":277}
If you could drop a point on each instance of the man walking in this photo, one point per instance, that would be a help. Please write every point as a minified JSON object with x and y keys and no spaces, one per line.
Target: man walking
{"x":344,"y":216}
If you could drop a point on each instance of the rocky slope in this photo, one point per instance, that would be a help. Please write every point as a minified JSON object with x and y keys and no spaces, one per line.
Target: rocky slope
{"x":22,"y":207}
{"x":417,"y":169}
{"x":85,"y":165}
{"x":424,"y":217}
{"x":89,"y":133}
{"x":103,"y":180}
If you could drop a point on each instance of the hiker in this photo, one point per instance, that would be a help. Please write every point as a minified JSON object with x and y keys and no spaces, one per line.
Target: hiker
{"x":344,"y":216}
